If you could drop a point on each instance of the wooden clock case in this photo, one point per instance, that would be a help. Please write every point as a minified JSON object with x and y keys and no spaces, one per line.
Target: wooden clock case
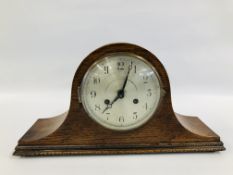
{"x":75,"y":133}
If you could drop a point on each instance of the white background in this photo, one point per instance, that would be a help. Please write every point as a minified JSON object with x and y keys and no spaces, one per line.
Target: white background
{"x":42,"y":43}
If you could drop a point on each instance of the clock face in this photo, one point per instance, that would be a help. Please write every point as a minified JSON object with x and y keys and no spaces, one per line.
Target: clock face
{"x":121,"y":91}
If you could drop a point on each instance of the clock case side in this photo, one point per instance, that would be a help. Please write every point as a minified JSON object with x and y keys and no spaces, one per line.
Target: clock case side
{"x":74,"y":132}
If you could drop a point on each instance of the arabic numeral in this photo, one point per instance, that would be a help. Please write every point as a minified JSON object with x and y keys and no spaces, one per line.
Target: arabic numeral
{"x":149,"y":93}
{"x":93,"y":94}
{"x":145,"y":79}
{"x":96,"y":80}
{"x":121,"y":119}
{"x":120,"y":65}
{"x":108,"y":113}
{"x":106,"y":70}
{"x":146,"y":106}
{"x":97,"y":107}
{"x":135,"y":115}
{"x":133,"y":67}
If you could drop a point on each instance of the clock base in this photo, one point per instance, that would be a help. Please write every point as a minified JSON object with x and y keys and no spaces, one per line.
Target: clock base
{"x":67,"y":150}
{"x":40,"y":141}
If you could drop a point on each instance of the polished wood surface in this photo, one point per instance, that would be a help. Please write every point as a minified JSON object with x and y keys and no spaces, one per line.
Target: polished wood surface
{"x":74,"y":132}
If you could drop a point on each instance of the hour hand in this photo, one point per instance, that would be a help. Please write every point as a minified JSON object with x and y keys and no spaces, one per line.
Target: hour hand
{"x":110,"y":105}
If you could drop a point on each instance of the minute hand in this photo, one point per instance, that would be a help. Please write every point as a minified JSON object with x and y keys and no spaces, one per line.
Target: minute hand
{"x":126,"y":79}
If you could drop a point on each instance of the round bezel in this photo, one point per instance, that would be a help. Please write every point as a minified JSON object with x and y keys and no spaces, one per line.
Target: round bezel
{"x":102,"y":122}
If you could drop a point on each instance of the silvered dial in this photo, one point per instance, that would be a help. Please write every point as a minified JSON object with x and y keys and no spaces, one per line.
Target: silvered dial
{"x":121,"y":91}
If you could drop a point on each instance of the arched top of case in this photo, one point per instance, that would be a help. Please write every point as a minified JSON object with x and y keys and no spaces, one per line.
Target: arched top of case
{"x":116,"y":48}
